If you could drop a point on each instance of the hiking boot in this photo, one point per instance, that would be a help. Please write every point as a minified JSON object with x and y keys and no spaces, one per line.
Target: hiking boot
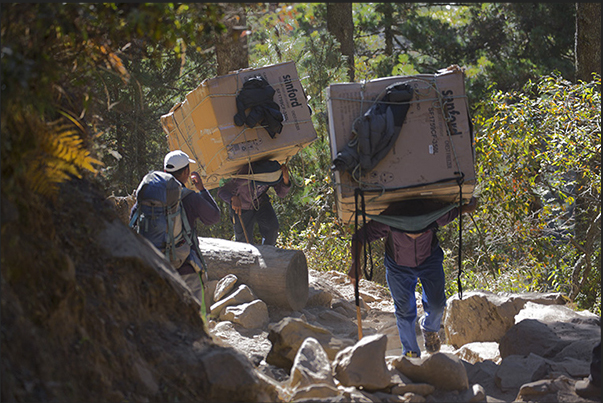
{"x":432,"y":341}
{"x":411,"y":354}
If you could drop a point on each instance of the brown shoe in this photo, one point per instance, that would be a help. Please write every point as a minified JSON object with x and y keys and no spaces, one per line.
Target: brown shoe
{"x":432,"y":341}
{"x":585,"y":388}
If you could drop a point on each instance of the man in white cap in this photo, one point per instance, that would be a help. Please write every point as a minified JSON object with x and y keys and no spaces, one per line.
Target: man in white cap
{"x":198,"y":206}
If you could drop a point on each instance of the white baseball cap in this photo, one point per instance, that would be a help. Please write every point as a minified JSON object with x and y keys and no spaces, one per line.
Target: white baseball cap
{"x":176,"y":160}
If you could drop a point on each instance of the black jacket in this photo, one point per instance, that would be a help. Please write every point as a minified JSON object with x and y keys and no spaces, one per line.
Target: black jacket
{"x":257,"y":95}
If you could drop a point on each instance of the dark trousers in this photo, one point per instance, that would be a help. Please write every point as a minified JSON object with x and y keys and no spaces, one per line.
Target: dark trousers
{"x":264,"y":216}
{"x":595,"y":366}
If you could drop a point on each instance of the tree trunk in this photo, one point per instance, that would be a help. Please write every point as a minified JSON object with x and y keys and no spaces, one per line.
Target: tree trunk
{"x":588,"y":61}
{"x":388,"y":22}
{"x":588,"y":40}
{"x":340,"y":24}
{"x":276,"y":276}
{"x":231,"y":47}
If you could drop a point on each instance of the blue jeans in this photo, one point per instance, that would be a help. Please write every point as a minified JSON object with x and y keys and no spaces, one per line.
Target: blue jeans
{"x":266,"y":219}
{"x":402,"y":282}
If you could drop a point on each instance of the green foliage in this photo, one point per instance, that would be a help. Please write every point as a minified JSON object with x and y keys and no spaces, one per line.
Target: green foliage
{"x":160,"y":75}
{"x":538,"y":161}
{"x":62,"y":60}
{"x":520,"y":41}
{"x":133,"y":141}
{"x":275,"y":38}
{"x":502,"y":43}
{"x":325,"y":245}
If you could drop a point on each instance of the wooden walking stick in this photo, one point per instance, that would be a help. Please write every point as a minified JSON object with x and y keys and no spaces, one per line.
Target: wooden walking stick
{"x":236,"y":201}
{"x":357,"y":288}
{"x":358,"y":314}
{"x":243,"y":226}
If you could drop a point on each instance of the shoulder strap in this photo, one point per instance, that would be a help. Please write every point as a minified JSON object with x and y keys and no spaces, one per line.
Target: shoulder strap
{"x":185,"y":192}
{"x":134,"y":217}
{"x":188,"y":231}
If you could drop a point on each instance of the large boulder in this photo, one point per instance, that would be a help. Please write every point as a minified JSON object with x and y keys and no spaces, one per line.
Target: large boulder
{"x":221,"y":365}
{"x":552,"y":331}
{"x":443,"y":370}
{"x":363,"y":365}
{"x":311,"y":366}
{"x":483,"y":316}
{"x":530,"y":336}
{"x":251,"y":315}
{"x":516,"y":370}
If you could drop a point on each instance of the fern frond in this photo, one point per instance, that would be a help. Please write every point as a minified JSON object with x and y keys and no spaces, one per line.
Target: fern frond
{"x":62,"y":155}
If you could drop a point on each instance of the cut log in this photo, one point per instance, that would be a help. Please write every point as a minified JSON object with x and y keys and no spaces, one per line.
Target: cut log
{"x":277,"y":276}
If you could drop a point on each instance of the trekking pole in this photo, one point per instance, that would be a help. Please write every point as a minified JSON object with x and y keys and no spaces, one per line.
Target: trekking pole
{"x":357,"y":272}
{"x":358,"y":314}
{"x":204,"y":310}
{"x":194,"y":243}
{"x":460,"y":260}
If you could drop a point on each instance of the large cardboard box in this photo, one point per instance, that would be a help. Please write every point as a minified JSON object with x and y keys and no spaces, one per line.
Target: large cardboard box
{"x":203,"y":124}
{"x":434,"y":146}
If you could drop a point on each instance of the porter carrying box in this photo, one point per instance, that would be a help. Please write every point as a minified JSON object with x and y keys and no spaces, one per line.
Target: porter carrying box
{"x":433,"y":151}
{"x":203,"y":124}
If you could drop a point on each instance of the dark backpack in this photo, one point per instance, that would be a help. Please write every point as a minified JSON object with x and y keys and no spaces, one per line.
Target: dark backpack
{"x":160,"y":217}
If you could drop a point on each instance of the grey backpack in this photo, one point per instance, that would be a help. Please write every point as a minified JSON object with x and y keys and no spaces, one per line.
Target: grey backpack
{"x":161,"y":218}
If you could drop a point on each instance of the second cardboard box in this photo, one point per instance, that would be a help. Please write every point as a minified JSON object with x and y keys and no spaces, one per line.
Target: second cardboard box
{"x":433,"y":152}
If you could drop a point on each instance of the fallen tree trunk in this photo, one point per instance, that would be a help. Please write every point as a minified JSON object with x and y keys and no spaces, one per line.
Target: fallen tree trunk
{"x":276,"y":276}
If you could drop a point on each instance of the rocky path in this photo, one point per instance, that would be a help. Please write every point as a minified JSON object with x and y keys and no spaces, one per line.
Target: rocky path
{"x":331,"y":306}
{"x":326,"y":288}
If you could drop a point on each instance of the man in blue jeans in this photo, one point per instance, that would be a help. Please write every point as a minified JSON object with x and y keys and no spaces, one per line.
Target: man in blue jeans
{"x":409,"y":257}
